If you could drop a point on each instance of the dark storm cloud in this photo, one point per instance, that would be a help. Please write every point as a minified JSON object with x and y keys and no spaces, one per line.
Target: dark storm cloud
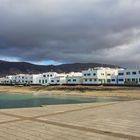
{"x":105,"y":31}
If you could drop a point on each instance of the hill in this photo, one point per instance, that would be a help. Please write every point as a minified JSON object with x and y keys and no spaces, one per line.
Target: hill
{"x":8,"y":68}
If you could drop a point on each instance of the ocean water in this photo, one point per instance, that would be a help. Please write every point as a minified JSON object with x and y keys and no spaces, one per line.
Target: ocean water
{"x":36,"y":100}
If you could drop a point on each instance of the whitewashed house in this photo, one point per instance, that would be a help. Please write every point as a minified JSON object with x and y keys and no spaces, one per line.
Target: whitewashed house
{"x":98,"y":75}
{"x":129,"y":76}
{"x":6,"y":80}
{"x":58,"y":80}
{"x":44,"y":78}
{"x":74,"y":78}
{"x":36,"y":78}
{"x":22,"y":79}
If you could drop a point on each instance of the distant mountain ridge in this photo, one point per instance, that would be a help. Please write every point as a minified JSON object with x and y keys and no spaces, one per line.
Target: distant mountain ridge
{"x":9,"y":68}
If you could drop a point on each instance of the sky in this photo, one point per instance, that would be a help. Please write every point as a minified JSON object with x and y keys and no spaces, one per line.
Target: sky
{"x":67,"y":31}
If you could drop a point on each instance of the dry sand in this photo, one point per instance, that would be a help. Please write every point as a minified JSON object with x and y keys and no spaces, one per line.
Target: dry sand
{"x":104,"y":91}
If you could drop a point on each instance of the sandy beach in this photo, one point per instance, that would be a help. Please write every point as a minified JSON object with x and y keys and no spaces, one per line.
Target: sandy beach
{"x":131,"y":92}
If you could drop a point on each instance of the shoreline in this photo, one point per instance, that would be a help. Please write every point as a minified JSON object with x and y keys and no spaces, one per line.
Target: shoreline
{"x":87,"y":91}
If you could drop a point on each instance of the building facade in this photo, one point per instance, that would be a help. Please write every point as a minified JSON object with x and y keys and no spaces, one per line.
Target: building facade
{"x":98,"y":75}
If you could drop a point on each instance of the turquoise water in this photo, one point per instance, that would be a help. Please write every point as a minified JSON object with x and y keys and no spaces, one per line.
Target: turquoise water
{"x":36,"y":100}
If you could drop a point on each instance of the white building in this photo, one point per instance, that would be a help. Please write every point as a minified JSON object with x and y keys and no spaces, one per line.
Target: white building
{"x":44,"y":78}
{"x":74,"y":78}
{"x":58,"y":80}
{"x":22,"y":79}
{"x":6,"y":80}
{"x":98,"y":75}
{"x":128,"y":76}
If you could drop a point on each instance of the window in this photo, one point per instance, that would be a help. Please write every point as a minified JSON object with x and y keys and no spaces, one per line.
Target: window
{"x":127,"y":80}
{"x":127,"y":73}
{"x":46,"y":81}
{"x":85,"y":80}
{"x":108,"y":74}
{"x":113,"y":80}
{"x":90,"y":80}
{"x":69,"y":80}
{"x":108,"y":80}
{"x":120,"y":73}
{"x":88,"y":74}
{"x":50,"y":75}
{"x":43,"y":81}
{"x":52,"y":81}
{"x":85,"y":75}
{"x":133,"y":80}
{"x":39,"y":81}
{"x":44,"y":75}
{"x":121,"y":80}
{"x":94,"y":74}
{"x":58,"y":81}
{"x":74,"y":80}
{"x":95,"y":80}
{"x":22,"y":77}
{"x":134,"y":73}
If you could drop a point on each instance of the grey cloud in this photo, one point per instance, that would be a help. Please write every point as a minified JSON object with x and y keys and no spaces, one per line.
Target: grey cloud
{"x":79,"y":31}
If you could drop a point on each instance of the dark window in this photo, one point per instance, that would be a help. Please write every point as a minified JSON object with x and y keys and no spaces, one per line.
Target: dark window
{"x":39,"y":81}
{"x":121,"y":80}
{"x":113,"y":80}
{"x":88,"y":74}
{"x":121,"y":73}
{"x":127,"y":80}
{"x":85,"y":75}
{"x":44,"y":75}
{"x":94,"y":74}
{"x":90,"y":80}
{"x":85,"y":80}
{"x":108,"y":80}
{"x":127,"y":73}
{"x":45,"y":81}
{"x":69,"y":80}
{"x":134,"y":73}
{"x":58,"y":81}
{"x":74,"y":80}
{"x":22,"y":77}
{"x":133,"y":80}
{"x":50,"y":75}
{"x":95,"y":80}
{"x":52,"y":81}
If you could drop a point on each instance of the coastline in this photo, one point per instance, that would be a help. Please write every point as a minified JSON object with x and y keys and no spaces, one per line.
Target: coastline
{"x":94,"y":91}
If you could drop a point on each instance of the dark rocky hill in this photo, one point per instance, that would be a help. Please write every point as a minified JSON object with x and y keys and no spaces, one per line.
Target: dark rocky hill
{"x":7,"y":68}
